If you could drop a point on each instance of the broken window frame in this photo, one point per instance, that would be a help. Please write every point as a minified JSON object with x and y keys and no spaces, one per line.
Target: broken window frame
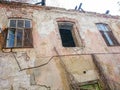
{"x":80,"y":85}
{"x":17,"y":34}
{"x":107,"y":34}
{"x":73,"y":29}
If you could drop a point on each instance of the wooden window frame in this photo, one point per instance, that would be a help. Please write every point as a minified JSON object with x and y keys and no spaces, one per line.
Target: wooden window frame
{"x":78,"y":86}
{"x":111,"y":38}
{"x":16,"y":28}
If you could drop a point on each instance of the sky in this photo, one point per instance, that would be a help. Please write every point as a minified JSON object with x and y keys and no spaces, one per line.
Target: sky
{"x":99,"y":6}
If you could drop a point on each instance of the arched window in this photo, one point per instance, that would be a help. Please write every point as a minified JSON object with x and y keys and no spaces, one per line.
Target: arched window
{"x":66,"y":33}
{"x":107,"y":34}
{"x":69,"y":32}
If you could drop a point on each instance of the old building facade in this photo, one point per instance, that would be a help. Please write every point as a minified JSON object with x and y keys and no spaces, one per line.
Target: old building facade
{"x":46,"y":48}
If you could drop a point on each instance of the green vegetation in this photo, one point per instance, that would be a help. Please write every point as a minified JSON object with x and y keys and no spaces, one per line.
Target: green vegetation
{"x":91,"y":87}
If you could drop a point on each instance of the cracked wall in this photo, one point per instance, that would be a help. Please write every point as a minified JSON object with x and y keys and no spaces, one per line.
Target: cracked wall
{"x":39,"y":68}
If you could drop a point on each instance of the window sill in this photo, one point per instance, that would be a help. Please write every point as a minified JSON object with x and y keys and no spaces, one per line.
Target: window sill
{"x":16,"y":49}
{"x":75,"y":48}
{"x":82,"y":46}
{"x":113,"y":45}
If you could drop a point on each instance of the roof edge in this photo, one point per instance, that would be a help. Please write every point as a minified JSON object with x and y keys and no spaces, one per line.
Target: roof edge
{"x":13,"y":3}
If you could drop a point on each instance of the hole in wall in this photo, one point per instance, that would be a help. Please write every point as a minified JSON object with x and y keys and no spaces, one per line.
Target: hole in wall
{"x":84,"y":72}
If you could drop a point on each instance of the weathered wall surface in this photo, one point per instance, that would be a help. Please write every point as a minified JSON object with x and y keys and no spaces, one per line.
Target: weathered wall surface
{"x":39,"y":68}
{"x":111,"y":69}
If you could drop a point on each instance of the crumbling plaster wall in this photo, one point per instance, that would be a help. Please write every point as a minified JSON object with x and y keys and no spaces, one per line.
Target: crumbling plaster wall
{"x":38,"y":68}
{"x":111,"y":69}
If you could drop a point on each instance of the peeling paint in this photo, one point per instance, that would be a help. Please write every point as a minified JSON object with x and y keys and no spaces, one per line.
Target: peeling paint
{"x":39,"y":68}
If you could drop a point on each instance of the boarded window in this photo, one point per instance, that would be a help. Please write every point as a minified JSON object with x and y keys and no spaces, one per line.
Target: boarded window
{"x":19,"y":33}
{"x":66,"y":33}
{"x":107,"y":34}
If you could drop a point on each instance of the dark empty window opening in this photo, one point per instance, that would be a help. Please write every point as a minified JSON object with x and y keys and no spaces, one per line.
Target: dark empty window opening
{"x":66,"y":33}
{"x":107,"y":34}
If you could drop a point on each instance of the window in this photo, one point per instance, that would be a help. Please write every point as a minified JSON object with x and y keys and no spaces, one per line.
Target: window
{"x":90,"y":85}
{"x":67,"y":34}
{"x":19,"y":33}
{"x":107,"y":34}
